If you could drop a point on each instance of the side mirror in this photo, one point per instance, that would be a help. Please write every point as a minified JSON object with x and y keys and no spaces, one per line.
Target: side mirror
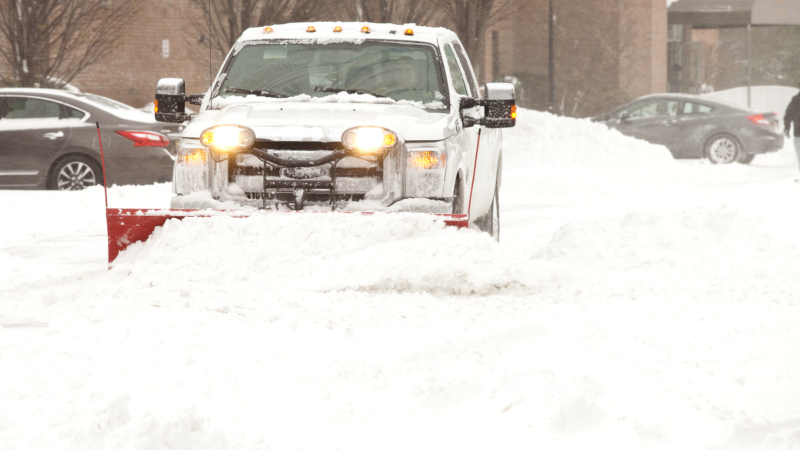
{"x":500,"y":107}
{"x":171,"y":100}
{"x":625,"y":117}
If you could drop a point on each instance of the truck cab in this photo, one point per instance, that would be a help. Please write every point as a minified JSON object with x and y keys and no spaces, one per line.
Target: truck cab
{"x":342,"y":116}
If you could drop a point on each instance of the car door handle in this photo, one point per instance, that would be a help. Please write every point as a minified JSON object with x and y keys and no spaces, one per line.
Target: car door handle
{"x":54,"y":136}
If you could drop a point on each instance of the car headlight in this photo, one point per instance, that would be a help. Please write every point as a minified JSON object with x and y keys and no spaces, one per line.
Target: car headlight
{"x":369,"y":140}
{"x":228,"y":138}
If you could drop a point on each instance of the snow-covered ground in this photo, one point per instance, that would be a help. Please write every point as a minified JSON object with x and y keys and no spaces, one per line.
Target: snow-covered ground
{"x":634,"y":302}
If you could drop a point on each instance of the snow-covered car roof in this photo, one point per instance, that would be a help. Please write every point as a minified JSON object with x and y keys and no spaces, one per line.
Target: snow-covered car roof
{"x":350,"y":32}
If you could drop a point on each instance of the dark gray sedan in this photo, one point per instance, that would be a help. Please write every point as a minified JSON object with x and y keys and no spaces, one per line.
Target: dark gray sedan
{"x":694,"y":127}
{"x":48,"y":140}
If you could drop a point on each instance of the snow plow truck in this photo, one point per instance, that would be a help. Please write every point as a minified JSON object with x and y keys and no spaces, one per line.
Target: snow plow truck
{"x":337,"y":117}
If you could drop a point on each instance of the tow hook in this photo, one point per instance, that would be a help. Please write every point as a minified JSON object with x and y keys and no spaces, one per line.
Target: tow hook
{"x":299,"y":199}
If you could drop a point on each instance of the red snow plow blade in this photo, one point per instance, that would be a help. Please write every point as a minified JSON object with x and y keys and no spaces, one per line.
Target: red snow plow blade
{"x":127,"y":226}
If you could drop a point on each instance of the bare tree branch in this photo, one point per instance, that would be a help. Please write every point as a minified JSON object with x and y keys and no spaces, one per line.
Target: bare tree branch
{"x":49,"y":42}
{"x":223,"y":21}
{"x":391,"y":11}
{"x":471,"y":19}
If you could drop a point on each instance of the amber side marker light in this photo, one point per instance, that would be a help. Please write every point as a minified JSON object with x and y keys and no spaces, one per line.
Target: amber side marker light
{"x":365,"y":30}
{"x":409,"y":32}
{"x":311,"y":30}
{"x":268,"y":30}
{"x":425,"y":160}
{"x":155,"y":108}
{"x":337,"y":29}
{"x":514,"y":112}
{"x":195,"y":155}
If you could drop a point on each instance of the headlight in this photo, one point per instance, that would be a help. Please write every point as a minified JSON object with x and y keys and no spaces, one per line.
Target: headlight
{"x":369,"y":140}
{"x":228,"y":138}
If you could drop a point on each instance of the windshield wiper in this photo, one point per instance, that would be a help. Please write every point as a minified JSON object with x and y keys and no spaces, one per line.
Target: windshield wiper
{"x":255,"y":92}
{"x":349,"y":91}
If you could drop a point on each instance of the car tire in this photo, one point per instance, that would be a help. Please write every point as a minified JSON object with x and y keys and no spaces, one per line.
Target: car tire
{"x":723,"y":149}
{"x":747,"y":159}
{"x":490,"y":223}
{"x":457,"y":205}
{"x":75,"y":173}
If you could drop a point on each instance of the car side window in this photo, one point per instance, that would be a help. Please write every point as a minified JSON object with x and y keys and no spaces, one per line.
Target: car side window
{"x":462,"y":58}
{"x":455,"y":71}
{"x":690,"y":108}
{"x":30,"y":108}
{"x":653,"y":108}
{"x":73,"y":113}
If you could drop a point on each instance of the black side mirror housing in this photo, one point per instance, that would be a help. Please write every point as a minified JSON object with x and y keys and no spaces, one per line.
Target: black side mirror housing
{"x":624,"y":117}
{"x":500,"y":107}
{"x":171,"y":100}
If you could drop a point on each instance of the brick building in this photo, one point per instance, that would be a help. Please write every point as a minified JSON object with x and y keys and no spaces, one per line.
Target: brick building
{"x":606,"y":53}
{"x":160,"y":42}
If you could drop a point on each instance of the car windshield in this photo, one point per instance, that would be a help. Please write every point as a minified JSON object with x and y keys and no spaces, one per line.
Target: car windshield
{"x":396,"y":71}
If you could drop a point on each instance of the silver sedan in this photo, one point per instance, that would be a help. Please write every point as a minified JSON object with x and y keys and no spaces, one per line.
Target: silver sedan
{"x":49,"y":140}
{"x":694,"y":127}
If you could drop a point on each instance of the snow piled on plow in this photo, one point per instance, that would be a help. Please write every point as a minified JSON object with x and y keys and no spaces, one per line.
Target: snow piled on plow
{"x":325,"y":252}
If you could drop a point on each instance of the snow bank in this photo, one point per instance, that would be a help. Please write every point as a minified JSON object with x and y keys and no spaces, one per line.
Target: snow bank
{"x":322,"y":252}
{"x":549,"y":155}
{"x":45,"y":214}
{"x":656,"y":308}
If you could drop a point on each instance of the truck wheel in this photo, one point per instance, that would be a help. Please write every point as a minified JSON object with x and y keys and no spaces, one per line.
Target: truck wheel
{"x":458,"y":197}
{"x":490,"y":223}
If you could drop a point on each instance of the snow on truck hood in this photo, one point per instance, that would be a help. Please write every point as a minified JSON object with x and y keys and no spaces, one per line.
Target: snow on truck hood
{"x":325,"y":122}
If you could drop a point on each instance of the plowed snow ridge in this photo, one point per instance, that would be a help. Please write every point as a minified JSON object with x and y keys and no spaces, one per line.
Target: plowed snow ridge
{"x":325,"y":252}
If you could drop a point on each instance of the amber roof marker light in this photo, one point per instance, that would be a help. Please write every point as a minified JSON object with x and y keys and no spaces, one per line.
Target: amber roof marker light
{"x":311,"y":30}
{"x":365,"y":29}
{"x":409,"y":32}
{"x":337,"y":29}
{"x":268,"y":30}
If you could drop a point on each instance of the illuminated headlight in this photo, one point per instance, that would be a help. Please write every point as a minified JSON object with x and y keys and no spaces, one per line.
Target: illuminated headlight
{"x":228,"y":138}
{"x":369,"y":140}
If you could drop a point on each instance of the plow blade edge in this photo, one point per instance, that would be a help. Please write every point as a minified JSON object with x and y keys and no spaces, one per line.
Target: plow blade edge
{"x":127,"y":226}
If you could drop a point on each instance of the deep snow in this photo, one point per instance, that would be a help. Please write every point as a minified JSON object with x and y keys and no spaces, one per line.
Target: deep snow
{"x":634,"y":302}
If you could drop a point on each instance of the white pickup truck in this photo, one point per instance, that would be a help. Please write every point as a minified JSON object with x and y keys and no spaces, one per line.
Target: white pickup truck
{"x":343,"y":116}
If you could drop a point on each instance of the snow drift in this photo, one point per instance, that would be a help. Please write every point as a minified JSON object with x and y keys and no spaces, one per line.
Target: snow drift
{"x":634,"y":302}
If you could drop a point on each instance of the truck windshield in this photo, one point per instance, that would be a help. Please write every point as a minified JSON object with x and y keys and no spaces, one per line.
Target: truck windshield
{"x":397,"y":71}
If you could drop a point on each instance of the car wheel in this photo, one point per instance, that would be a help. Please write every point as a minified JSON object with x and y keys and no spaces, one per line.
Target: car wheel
{"x":490,"y":223}
{"x":747,"y":159}
{"x":723,"y":149}
{"x":458,"y":198}
{"x":75,"y":173}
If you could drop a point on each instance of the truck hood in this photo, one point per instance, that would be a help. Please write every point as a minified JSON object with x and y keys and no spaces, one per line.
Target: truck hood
{"x":325,"y":122}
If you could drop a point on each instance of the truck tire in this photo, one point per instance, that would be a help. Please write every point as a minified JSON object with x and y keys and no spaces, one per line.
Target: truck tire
{"x":458,"y":197}
{"x":490,"y":223}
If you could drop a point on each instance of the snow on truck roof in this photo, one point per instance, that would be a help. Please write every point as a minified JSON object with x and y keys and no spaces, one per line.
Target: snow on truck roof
{"x":330,"y":32}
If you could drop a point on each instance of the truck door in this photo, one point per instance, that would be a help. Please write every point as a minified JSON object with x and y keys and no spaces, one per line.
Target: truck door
{"x":464,"y":84}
